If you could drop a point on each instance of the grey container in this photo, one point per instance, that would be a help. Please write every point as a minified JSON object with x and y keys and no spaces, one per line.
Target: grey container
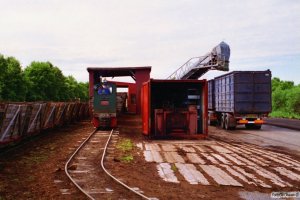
{"x":243,"y":92}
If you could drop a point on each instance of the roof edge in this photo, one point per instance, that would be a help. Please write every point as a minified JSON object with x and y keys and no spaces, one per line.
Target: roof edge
{"x":118,"y":68}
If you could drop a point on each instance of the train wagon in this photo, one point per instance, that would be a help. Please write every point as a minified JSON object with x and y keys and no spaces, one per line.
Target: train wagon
{"x":103,"y":104}
{"x":240,"y":98}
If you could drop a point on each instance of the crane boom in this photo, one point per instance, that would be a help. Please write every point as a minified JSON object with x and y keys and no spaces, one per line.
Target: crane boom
{"x":194,"y":68}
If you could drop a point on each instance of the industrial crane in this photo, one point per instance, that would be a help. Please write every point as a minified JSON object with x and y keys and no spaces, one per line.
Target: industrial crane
{"x":194,"y":68}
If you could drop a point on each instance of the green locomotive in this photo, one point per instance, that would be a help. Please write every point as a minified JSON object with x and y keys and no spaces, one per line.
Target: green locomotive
{"x":104,"y":104}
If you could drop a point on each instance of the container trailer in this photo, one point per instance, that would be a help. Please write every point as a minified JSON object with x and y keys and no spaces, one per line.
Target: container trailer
{"x":240,"y":98}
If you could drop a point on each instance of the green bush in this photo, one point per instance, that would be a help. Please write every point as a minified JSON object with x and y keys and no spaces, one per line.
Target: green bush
{"x":285,"y":99}
{"x":293,"y":100}
{"x":279,"y":99}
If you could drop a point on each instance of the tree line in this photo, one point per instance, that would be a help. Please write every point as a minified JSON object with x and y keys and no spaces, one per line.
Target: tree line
{"x":285,"y":99}
{"x":40,"y":81}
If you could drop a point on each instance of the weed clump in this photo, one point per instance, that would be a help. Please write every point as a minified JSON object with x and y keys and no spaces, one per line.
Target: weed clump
{"x":126,"y":147}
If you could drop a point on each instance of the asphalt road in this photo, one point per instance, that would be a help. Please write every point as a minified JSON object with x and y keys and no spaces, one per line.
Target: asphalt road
{"x":276,"y":137}
{"x":285,"y":123}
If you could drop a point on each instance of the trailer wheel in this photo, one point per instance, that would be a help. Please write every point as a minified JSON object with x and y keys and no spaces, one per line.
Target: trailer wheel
{"x":226,"y":123}
{"x":223,"y":118}
{"x":229,"y":125}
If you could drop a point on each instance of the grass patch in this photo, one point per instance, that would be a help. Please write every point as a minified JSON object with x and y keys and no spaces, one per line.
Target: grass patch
{"x":127,"y":158}
{"x":174,"y":168}
{"x":125,"y":145}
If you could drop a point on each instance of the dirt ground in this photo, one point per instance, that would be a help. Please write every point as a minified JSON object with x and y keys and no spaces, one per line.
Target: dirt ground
{"x":144,"y":175}
{"x":31,"y":170}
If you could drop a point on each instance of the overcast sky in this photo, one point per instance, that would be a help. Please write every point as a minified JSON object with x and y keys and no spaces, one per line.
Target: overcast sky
{"x":164,"y":34}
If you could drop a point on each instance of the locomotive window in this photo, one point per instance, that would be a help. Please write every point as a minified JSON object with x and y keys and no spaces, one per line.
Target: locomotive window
{"x":104,"y":89}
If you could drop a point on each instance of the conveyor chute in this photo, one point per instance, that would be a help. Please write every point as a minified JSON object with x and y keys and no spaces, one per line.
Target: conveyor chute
{"x":194,"y":68}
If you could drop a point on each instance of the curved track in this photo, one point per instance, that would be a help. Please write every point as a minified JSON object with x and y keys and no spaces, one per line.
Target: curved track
{"x":100,"y":178}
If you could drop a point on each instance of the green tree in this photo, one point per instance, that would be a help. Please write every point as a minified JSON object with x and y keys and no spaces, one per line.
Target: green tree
{"x":284,"y":85}
{"x":71,"y":85}
{"x":3,"y":69}
{"x":45,"y":82}
{"x":76,"y":90}
{"x":275,"y":83}
{"x":13,"y":84}
{"x":83,"y":91}
{"x":293,"y":100}
{"x":285,"y":99}
{"x":279,"y":99}
{"x":40,"y":81}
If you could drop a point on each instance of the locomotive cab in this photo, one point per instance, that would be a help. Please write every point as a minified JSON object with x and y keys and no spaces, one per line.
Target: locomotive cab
{"x":104,"y":104}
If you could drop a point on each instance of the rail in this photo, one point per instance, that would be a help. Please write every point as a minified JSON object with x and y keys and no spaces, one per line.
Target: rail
{"x":71,"y":158}
{"x":113,"y":177}
{"x":102,"y":166}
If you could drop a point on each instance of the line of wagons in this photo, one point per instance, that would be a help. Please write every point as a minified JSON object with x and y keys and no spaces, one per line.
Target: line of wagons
{"x":21,"y":120}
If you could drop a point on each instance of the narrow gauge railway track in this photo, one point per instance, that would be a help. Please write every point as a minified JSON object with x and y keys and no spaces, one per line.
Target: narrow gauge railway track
{"x":85,"y":168}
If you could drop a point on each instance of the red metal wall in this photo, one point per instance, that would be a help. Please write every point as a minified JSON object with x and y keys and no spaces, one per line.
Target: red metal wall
{"x":145,"y":97}
{"x":141,"y":77}
{"x":131,"y":103}
{"x":148,"y":110}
